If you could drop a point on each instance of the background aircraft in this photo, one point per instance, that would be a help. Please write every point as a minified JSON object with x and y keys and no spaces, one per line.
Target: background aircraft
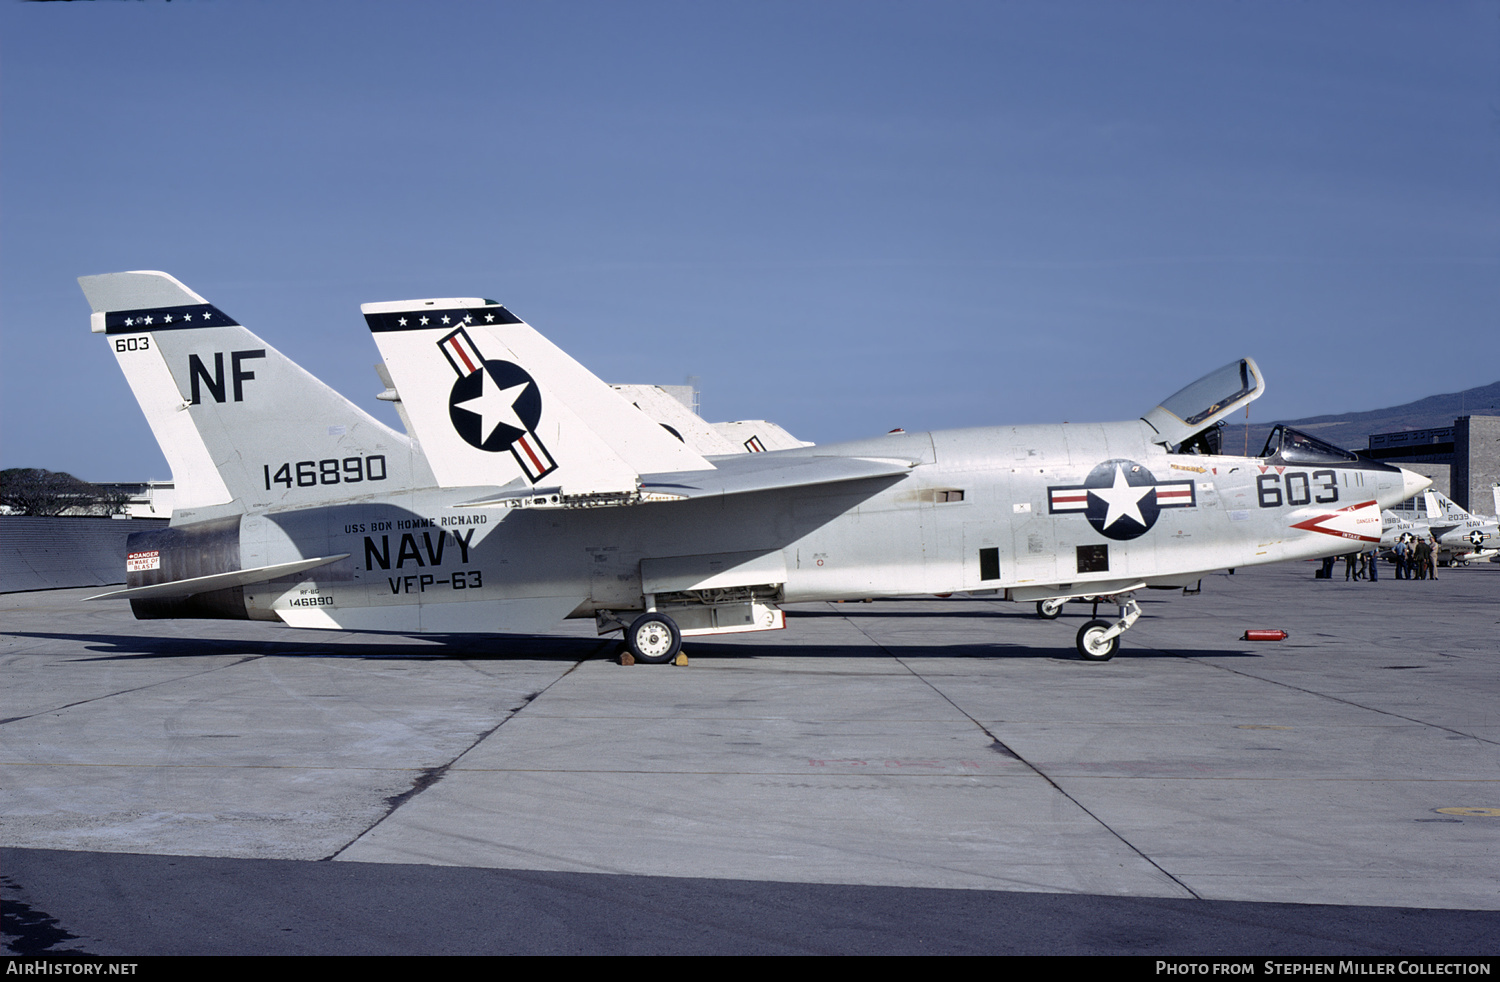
{"x":708,"y":439}
{"x":1461,"y":538}
{"x":528,"y":491}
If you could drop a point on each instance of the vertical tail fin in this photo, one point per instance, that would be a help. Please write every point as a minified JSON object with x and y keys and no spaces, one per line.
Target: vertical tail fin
{"x":494,"y":403}
{"x":1441,"y":509}
{"x":242,"y":426}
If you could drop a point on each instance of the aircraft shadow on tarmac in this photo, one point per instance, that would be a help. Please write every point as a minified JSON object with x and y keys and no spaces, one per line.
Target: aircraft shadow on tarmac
{"x":856,"y":609}
{"x":123,"y":646}
{"x":860,"y":611}
{"x":1062,"y":651}
{"x":112,"y":647}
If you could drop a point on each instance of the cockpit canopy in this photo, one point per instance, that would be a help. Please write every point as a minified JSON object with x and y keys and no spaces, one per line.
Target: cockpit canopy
{"x":1289,"y":446}
{"x":1207,"y":401}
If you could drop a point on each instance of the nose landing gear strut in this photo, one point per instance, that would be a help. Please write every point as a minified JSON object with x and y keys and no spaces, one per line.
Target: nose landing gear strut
{"x":1099,"y":639}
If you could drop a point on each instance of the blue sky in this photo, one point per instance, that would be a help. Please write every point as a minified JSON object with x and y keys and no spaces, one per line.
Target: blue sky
{"x":844,"y":217}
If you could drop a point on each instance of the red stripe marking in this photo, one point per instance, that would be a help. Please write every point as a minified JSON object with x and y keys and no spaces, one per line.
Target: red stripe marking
{"x":527,"y":447}
{"x":461,"y":354}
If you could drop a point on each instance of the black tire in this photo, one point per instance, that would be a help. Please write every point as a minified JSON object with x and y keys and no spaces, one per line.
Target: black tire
{"x":653,"y":639}
{"x":1090,"y":647}
{"x":1042,"y":607}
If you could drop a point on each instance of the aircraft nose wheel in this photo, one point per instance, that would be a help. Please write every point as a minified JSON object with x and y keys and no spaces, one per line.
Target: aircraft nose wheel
{"x":1098,"y":640}
{"x":1092,"y":644}
{"x":1049,"y":609}
{"x":653,"y":638}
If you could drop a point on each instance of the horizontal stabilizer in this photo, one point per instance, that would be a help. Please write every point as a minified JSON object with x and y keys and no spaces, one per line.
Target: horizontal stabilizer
{"x":218,"y":581}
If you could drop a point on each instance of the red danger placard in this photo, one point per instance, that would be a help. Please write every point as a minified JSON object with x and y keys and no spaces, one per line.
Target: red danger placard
{"x":138,"y":561}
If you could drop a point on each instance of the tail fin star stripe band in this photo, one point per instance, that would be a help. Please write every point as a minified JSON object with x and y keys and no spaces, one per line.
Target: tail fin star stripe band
{"x":460,"y":349}
{"x":527,"y":448}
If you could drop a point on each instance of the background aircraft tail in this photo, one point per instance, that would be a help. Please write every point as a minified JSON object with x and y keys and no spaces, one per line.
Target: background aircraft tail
{"x":242,"y":426}
{"x":1441,"y":508}
{"x":493,"y":403}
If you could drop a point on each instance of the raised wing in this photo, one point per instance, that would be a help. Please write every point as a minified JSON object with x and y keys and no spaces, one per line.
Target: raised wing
{"x":677,"y":419}
{"x":758,"y":436}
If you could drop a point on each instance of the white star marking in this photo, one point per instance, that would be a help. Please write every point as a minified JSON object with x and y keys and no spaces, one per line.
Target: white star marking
{"x":445,"y":318}
{"x":1123,"y":500}
{"x":148,"y":320}
{"x":128,"y":322}
{"x":468,"y":317}
{"x":494,"y":406}
{"x":401,"y":321}
{"x":489,"y":317}
{"x":424,"y":322}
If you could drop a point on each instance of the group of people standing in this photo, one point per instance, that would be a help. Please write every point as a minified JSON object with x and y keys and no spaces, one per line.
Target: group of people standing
{"x":1357,"y":566}
{"x":1416,"y":560}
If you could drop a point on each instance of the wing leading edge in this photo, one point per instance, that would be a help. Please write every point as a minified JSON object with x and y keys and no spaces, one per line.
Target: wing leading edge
{"x":742,"y":474}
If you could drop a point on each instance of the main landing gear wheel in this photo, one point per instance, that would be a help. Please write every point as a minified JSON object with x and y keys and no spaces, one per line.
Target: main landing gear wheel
{"x":1049,"y":609}
{"x":1092,"y":644}
{"x":653,"y":639}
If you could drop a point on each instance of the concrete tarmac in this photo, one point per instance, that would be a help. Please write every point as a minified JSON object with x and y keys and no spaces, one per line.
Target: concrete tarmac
{"x":905,"y":775}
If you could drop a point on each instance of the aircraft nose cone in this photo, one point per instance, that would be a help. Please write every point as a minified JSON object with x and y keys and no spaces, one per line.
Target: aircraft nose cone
{"x":1413,"y":483}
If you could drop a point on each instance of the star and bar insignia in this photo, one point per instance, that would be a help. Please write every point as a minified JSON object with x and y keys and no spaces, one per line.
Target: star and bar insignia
{"x":495,"y":405}
{"x":1120,"y":498}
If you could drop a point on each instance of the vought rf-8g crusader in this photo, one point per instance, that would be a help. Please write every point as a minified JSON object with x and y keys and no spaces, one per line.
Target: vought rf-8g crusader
{"x":527,"y":491}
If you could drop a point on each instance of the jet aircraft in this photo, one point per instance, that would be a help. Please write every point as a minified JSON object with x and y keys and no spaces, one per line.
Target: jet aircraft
{"x":1396,"y":527}
{"x":527,"y":491}
{"x":1461,"y":537}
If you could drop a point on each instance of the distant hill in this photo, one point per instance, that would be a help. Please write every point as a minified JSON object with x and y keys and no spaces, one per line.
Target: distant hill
{"x":1352,"y":430}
